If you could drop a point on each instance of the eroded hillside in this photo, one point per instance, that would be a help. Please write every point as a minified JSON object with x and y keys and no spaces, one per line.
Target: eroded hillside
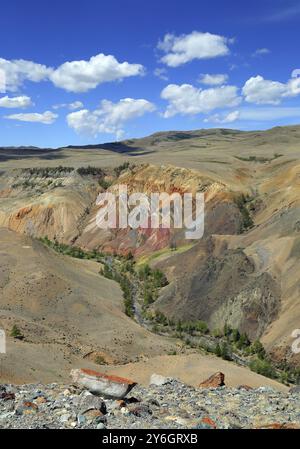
{"x":245,"y":270}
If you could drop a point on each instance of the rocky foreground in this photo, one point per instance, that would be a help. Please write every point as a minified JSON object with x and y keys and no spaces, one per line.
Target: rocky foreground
{"x":166,"y":403}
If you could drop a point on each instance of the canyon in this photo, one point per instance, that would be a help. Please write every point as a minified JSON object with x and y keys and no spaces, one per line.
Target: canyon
{"x":243,"y":273}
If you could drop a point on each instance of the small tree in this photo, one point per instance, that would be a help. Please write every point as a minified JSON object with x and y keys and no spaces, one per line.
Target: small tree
{"x":262,"y":367}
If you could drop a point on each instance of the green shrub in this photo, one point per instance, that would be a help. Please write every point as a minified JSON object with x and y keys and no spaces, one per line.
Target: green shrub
{"x":225,"y":353}
{"x":257,"y":348}
{"x":93,"y":171}
{"x":262,"y":367}
{"x":16,"y":332}
{"x":118,"y":170}
{"x":104,"y":184}
{"x":148,"y":297}
{"x":218,"y":350}
{"x":247,"y":222}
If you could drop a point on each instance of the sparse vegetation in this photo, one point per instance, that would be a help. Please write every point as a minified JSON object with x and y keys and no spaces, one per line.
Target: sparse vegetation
{"x":108,"y":270}
{"x":118,"y":170}
{"x":90,"y":171}
{"x":104,"y":183}
{"x":72,"y":251}
{"x":99,"y":359}
{"x":242,"y":201}
{"x":16,"y":332}
{"x":260,"y":159}
{"x":263,"y":367}
{"x":48,"y":172}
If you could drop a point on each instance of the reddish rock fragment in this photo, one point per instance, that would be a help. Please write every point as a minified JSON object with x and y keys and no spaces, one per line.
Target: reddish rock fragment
{"x":214,"y":381}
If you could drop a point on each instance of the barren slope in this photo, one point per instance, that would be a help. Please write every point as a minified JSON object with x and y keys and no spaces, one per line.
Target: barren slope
{"x":66,"y":311}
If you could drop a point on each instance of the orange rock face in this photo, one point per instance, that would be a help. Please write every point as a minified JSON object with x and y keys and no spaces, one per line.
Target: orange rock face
{"x":214,"y":381}
{"x":117,"y":379}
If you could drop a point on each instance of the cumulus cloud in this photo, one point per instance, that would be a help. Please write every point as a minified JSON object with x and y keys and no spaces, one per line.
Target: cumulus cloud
{"x":196,"y":45}
{"x":15,"y":102}
{"x":213,"y":80}
{"x":73,"y":76}
{"x":46,"y":117}
{"x":109,"y":118}
{"x":228,"y":118}
{"x":186,"y":99}
{"x":71,"y":106}
{"x":20,"y":70}
{"x":260,"y":91}
{"x":81,"y":76}
{"x":161,"y":73}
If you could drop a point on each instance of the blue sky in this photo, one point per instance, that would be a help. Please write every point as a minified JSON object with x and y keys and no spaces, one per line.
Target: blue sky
{"x":78,"y":72}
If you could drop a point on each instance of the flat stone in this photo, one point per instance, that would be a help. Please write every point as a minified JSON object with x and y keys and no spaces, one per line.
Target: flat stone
{"x":102,"y":384}
{"x":88,"y":401}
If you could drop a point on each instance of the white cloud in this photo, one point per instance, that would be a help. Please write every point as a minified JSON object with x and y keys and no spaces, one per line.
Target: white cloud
{"x":20,"y":70}
{"x":228,"y":118}
{"x":213,"y":80}
{"x":15,"y":102}
{"x":196,"y":45}
{"x":188,"y":100}
{"x":293,"y":87}
{"x":73,"y":76}
{"x":71,"y":106}
{"x":81,"y":76}
{"x":109,"y":118}
{"x":260,"y":91}
{"x":261,"y":52}
{"x":161,"y":73}
{"x":2,"y":81}
{"x":75,"y":105}
{"x":46,"y":117}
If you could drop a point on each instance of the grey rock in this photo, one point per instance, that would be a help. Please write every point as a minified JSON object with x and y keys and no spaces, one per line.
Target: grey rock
{"x":295,"y":390}
{"x":89,"y":401}
{"x":157,"y":379}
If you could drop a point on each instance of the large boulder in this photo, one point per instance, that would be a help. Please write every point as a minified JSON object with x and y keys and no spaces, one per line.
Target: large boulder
{"x":214,"y":381}
{"x":102,"y":384}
